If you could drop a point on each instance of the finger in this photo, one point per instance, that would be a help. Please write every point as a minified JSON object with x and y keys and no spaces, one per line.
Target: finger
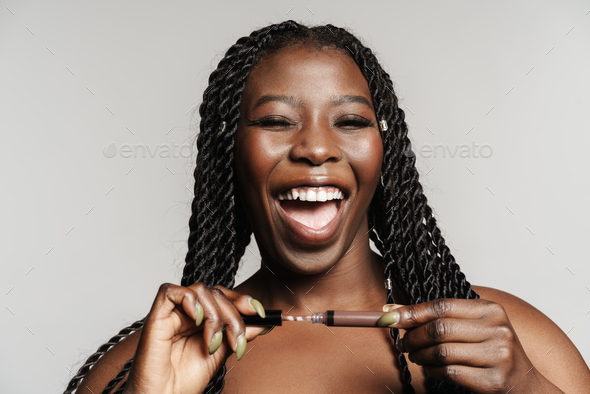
{"x":213,"y":322}
{"x":173,"y":304}
{"x":444,"y":330}
{"x":468,"y":354}
{"x":481,"y":380}
{"x":416,"y":315}
{"x":171,"y":296}
{"x":244,"y":303}
{"x":235,"y":329}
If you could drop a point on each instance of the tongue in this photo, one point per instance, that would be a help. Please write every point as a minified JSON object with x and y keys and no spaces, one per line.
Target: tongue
{"x":312,"y":214}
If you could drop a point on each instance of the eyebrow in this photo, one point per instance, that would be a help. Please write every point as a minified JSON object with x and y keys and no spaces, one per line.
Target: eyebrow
{"x":290,"y":100}
{"x":351,"y":99}
{"x":296,"y":102}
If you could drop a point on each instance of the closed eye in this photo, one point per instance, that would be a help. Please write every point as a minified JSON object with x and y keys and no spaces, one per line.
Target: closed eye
{"x":354,"y":123}
{"x":271,"y":122}
{"x":348,"y":123}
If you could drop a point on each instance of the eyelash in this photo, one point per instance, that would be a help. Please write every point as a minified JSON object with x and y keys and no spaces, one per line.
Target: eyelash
{"x":270,"y":122}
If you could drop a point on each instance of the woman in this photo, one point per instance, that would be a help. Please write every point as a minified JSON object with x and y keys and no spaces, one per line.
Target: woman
{"x":302,"y":143}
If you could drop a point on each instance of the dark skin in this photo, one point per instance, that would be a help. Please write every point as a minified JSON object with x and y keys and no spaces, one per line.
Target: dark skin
{"x":490,"y":345}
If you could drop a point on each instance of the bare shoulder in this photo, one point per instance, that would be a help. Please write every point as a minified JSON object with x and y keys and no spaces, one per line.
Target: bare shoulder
{"x":550,"y":350}
{"x":109,"y":365}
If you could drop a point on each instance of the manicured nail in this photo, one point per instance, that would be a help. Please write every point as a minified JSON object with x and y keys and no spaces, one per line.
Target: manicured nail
{"x":266,"y":331}
{"x":388,"y":319}
{"x":241,"y":346}
{"x":216,"y":342}
{"x":387,"y":307}
{"x":199,"y":318}
{"x":400,"y":346}
{"x":258,"y":307}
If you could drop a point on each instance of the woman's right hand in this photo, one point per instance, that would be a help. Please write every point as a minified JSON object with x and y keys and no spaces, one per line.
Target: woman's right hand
{"x":182,"y":344}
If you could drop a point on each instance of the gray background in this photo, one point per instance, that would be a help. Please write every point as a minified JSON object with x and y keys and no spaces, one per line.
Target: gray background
{"x":88,"y":238}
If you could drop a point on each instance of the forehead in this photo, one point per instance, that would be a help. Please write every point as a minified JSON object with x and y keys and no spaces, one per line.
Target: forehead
{"x":306,"y":73}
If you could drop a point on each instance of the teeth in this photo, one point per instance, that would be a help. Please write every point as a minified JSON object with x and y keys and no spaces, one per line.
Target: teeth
{"x":306,"y":193}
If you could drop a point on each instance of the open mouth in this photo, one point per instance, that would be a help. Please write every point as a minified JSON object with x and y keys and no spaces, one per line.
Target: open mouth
{"x":312,"y":213}
{"x":313,"y":207}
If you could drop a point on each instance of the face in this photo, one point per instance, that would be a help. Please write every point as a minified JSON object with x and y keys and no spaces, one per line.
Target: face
{"x":307,"y":130}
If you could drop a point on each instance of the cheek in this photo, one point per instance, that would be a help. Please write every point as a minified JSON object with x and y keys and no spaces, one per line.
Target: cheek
{"x":256,"y":156}
{"x":366,"y":157}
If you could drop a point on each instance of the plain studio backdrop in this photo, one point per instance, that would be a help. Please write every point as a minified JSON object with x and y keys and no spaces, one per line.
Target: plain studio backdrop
{"x":98,"y":122}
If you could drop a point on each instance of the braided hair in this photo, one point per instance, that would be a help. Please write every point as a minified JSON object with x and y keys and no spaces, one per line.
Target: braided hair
{"x":402,"y":225}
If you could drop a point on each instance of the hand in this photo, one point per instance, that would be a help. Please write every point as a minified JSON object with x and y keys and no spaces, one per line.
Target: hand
{"x":182,"y":344}
{"x":470,"y":343}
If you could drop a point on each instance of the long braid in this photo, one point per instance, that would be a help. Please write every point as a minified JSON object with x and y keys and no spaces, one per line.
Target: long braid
{"x":126,"y":368}
{"x":402,"y":226}
{"x":75,"y":381}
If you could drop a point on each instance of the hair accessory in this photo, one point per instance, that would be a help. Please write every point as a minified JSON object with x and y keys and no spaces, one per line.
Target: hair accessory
{"x":388,"y":284}
{"x":383,"y":124}
{"x":222,"y":126}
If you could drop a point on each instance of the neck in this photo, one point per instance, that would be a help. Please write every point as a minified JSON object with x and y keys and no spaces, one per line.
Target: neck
{"x":355,"y":282}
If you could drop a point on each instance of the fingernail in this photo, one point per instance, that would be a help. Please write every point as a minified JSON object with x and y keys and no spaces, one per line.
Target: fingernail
{"x":258,"y":307}
{"x":387,"y":307}
{"x":241,"y":346}
{"x":199,"y":318}
{"x":216,"y":342}
{"x":266,"y":331}
{"x":388,"y":319}
{"x":400,"y":346}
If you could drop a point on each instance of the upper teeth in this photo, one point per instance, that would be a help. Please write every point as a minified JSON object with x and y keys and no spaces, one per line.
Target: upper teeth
{"x":312,"y":194}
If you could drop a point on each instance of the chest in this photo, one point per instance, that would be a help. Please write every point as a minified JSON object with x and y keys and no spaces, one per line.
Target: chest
{"x":319,"y":359}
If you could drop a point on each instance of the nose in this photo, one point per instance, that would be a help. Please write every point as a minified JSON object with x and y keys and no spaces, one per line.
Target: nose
{"x":315,"y":144}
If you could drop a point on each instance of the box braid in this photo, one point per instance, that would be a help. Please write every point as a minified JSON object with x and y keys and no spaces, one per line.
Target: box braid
{"x":402,"y":226}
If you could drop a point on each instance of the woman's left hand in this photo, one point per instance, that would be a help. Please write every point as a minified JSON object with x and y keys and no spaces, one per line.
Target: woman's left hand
{"x":470,"y":343}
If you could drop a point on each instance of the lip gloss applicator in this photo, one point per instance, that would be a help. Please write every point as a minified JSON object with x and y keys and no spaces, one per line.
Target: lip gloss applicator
{"x":329,"y":318}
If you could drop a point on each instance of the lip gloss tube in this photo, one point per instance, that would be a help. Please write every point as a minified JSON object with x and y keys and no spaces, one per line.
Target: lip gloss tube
{"x":347,"y":318}
{"x":329,"y":318}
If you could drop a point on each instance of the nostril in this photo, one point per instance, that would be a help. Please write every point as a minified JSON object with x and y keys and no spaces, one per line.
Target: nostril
{"x":316,"y":159}
{"x":315,"y":148}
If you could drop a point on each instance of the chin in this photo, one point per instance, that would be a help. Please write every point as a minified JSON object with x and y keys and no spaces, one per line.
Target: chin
{"x":311,"y":262}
